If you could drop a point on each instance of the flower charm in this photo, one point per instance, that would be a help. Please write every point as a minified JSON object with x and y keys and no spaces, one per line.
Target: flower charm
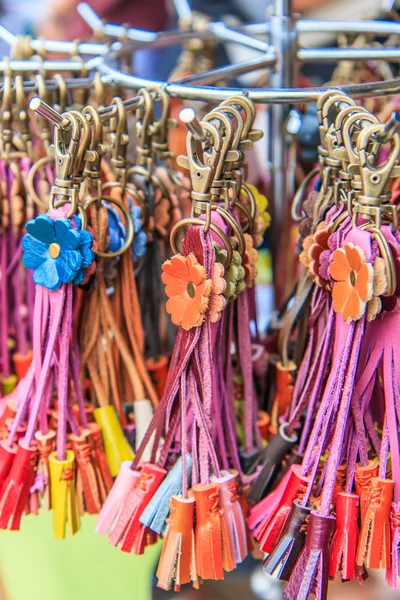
{"x":380,"y":284}
{"x":262,"y":218}
{"x":140,"y":238}
{"x":217,"y":299}
{"x":56,"y":251}
{"x":250,"y":258}
{"x":353,"y":286}
{"x":234,"y":274}
{"x":188,"y":290}
{"x":314,"y":245}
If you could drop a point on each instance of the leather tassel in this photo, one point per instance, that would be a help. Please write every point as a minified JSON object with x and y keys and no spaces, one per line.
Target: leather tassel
{"x":232,"y":514}
{"x":145,"y":537}
{"x":345,"y":538}
{"x":177,"y":562}
{"x":9,"y":411}
{"x":362,"y":481}
{"x":340,"y":482}
{"x":63,"y":495}
{"x":374,"y":542}
{"x":290,"y":543}
{"x":393,"y":572}
{"x":270,"y":458}
{"x":103,"y":469}
{"x":263,"y":510}
{"x":86,"y":477}
{"x":16,"y":487}
{"x":283,"y":393}
{"x":158,"y":371}
{"x":127,"y":525}
{"x":211,"y":538}
{"x":7,"y":455}
{"x":311,"y":572}
{"x":295,"y":486}
{"x":115,"y":444}
{"x":143,"y":411}
{"x":157,"y":510}
{"x":116,"y":498}
{"x":22,"y":362}
{"x":45,"y":445}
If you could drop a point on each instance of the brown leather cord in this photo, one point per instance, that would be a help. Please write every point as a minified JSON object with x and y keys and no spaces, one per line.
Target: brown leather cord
{"x":303,"y":291}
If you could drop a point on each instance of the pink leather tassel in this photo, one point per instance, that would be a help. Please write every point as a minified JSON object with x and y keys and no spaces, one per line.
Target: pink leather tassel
{"x":116,"y":498}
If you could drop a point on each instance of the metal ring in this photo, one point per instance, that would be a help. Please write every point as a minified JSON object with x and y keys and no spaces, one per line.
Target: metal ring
{"x":249,"y":227}
{"x":387,"y":256}
{"x":31,"y":175}
{"x":80,"y":209}
{"x":234,"y":225}
{"x":129,"y":222}
{"x":198,"y":221}
{"x":299,"y":195}
{"x":253,"y":204}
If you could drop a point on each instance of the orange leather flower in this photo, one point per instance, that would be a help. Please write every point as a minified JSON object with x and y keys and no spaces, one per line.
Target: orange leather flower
{"x":354,"y":282}
{"x":250,"y":258}
{"x":188,"y":290}
{"x":217,"y":298}
{"x":313,"y":246}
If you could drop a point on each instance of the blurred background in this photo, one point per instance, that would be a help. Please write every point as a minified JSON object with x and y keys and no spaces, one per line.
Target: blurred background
{"x":32,"y":564}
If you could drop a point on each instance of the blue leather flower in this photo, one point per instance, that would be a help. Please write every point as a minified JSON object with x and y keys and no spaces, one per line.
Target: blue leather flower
{"x":116,"y":229}
{"x":56,"y":251}
{"x":140,"y":238}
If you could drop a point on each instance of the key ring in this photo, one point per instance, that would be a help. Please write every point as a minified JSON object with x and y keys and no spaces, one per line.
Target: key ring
{"x":201,"y":222}
{"x":130,"y":227}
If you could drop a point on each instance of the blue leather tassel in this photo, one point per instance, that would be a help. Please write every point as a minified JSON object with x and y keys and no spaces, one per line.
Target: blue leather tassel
{"x":157,"y":510}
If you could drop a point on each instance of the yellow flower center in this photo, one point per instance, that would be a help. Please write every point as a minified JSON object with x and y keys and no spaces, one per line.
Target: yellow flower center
{"x":191,"y":289}
{"x":353,"y":278}
{"x":54,"y":250}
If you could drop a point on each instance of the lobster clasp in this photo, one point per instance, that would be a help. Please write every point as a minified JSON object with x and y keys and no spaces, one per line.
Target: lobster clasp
{"x":202,"y":163}
{"x":120,"y":140}
{"x":161,"y":126}
{"x":145,"y":130}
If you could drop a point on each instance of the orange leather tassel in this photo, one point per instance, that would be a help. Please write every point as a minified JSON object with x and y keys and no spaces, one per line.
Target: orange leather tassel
{"x":45,"y":446}
{"x":211,"y":540}
{"x":158,"y":370}
{"x":177,"y":562}
{"x":15,"y":490}
{"x":283,"y":393}
{"x":22,"y":362}
{"x":393,"y":572}
{"x":127,"y":526}
{"x":374,"y":542}
{"x":362,"y":481}
{"x":276,"y":522}
{"x":103,"y":470}
{"x":90,"y":492}
{"x":345,"y":538}
{"x":233,"y":515}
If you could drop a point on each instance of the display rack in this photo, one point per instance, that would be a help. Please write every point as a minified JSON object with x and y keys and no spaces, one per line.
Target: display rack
{"x":280,"y":52}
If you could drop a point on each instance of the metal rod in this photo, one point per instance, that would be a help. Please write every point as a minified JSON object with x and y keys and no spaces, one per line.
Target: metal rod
{"x":183,"y":9}
{"x":47,"y":112}
{"x":223,"y":33}
{"x":188,"y":116}
{"x":247,"y":66}
{"x":39,"y":65}
{"x":7,"y":36}
{"x":51,"y":84}
{"x":257,"y":95}
{"x":327,"y":55}
{"x":93,"y":20}
{"x":376,"y":27}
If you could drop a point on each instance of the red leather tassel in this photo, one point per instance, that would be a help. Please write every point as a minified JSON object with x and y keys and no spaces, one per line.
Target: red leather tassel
{"x":103,"y":470}
{"x":393,"y":572}
{"x":211,"y":539}
{"x":362,"y":481}
{"x":128,"y":525}
{"x":262,"y":511}
{"x":276,"y":522}
{"x":9,"y":411}
{"x":45,"y":446}
{"x":263,"y":422}
{"x":145,"y":537}
{"x":310,"y":573}
{"x":340,"y":482}
{"x":177,"y":562}
{"x":345,"y":538}
{"x":7,"y":455}
{"x":15,"y":490}
{"x":374,"y":542}
{"x":232,"y":515}
{"x":90,"y":493}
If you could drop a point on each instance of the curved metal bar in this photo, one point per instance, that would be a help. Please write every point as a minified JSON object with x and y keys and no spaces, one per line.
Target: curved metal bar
{"x":259,"y":96}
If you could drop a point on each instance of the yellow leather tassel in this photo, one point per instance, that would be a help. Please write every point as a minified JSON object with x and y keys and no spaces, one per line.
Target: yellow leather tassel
{"x":63,"y":495}
{"x":116,"y":445}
